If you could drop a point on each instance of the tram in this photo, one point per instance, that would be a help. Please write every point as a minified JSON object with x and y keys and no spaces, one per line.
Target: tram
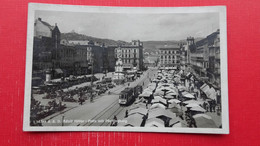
{"x":129,"y":94}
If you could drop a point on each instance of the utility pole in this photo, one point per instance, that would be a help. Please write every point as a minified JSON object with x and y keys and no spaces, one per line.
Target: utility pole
{"x":92,"y":75}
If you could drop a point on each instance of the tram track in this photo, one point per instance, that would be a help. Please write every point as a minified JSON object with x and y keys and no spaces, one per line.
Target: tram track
{"x":99,"y":115}
{"x":118,"y":110}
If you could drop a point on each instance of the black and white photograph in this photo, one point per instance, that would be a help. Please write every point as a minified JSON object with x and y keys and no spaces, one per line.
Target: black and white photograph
{"x":138,"y":69}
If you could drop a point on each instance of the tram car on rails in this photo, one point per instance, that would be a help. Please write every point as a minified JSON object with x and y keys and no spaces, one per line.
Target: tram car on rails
{"x":129,"y":94}
{"x":126,"y":96}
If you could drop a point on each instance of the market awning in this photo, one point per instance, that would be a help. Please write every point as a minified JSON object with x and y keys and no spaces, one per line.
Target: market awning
{"x":210,"y":92}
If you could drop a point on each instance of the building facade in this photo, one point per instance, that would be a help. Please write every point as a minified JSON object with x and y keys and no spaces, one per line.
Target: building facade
{"x":46,"y":40}
{"x":204,"y":58}
{"x":131,"y":55}
{"x":169,"y":56}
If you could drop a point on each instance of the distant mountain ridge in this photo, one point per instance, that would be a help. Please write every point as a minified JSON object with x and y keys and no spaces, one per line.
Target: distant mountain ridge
{"x":149,"y":46}
{"x":76,"y":36}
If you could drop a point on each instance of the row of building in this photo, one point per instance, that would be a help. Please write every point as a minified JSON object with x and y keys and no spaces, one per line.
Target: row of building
{"x":79,"y":57}
{"x":201,"y":57}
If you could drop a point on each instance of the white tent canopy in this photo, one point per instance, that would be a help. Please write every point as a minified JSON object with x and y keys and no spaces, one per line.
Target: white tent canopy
{"x":160,"y":112}
{"x":154,"y":122}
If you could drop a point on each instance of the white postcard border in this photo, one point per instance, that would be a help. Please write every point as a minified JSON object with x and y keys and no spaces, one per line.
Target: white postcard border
{"x":152,"y":10}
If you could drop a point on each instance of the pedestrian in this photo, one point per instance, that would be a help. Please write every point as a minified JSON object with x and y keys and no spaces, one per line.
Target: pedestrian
{"x":192,"y":123}
{"x":126,"y":113}
{"x":81,"y":100}
{"x":218,"y":110}
{"x":214,"y":105}
{"x":114,"y":122}
{"x":204,"y":105}
{"x":207,"y":107}
{"x":210,"y":106}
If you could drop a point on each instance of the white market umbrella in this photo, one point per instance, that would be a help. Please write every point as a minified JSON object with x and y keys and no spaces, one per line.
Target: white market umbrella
{"x":145,"y":94}
{"x":174,"y":105}
{"x":187,"y":95}
{"x":198,"y":108}
{"x":157,"y":105}
{"x":139,"y":110}
{"x":174,"y":100}
{"x":173,"y":122}
{"x":154,"y":122}
{"x":169,"y":96}
{"x":163,"y":101}
{"x":193,"y":101}
{"x":158,"y":93}
{"x":192,"y":105}
{"x":160,"y":112}
{"x":181,"y":88}
{"x":138,"y":105}
{"x":135,"y":120}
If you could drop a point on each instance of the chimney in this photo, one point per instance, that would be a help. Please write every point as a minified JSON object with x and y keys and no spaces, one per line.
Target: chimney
{"x":55,"y":24}
{"x":40,"y":19}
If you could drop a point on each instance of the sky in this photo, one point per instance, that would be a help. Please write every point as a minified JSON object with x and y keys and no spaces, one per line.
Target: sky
{"x":129,"y":26}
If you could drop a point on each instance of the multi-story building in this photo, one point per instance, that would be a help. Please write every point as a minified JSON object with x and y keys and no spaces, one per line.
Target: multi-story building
{"x":199,"y":58}
{"x":183,"y":56}
{"x":111,"y":60}
{"x":48,"y":35}
{"x":214,"y":58}
{"x":169,"y":56}
{"x":204,"y":58}
{"x":46,"y":40}
{"x":132,"y":55}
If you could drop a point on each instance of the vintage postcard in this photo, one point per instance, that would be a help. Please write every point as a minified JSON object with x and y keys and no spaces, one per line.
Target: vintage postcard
{"x":138,"y":69}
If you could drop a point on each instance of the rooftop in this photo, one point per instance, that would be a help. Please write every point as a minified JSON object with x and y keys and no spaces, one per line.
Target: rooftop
{"x":170,"y":47}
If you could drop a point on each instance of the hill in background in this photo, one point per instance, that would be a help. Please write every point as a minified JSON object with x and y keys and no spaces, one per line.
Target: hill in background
{"x":76,"y":36}
{"x":149,"y":46}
